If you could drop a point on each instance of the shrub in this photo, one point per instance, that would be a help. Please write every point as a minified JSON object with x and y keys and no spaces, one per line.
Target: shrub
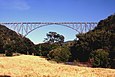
{"x":113,"y":63}
{"x":8,"y":53}
{"x":60,"y":54}
{"x":100,"y":58}
{"x":45,"y":48}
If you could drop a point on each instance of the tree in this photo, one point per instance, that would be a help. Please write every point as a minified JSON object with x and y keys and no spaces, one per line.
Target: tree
{"x":53,"y":37}
{"x":88,"y":42}
{"x":44,"y":48}
{"x":60,"y":54}
{"x":100,"y":58}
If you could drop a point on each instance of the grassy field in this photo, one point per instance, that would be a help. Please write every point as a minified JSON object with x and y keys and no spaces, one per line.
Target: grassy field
{"x":34,"y":66}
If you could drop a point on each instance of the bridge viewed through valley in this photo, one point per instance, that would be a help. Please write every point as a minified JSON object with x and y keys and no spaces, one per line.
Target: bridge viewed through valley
{"x":95,"y":47}
{"x":57,"y":38}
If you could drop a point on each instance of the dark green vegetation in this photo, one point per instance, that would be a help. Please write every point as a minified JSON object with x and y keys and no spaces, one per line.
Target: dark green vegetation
{"x":54,"y":48}
{"x":11,"y":42}
{"x":44,"y":48}
{"x":60,"y":54}
{"x":96,"y":46}
{"x":53,"y":37}
{"x":100,"y":58}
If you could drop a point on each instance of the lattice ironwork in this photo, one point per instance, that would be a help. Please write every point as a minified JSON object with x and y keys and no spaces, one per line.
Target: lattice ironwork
{"x":25,"y":28}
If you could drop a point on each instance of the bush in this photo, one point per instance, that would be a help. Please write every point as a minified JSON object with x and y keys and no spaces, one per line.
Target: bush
{"x":60,"y":54}
{"x":113,"y":63}
{"x":100,"y":58}
{"x":8,"y":53}
{"x":45,"y":48}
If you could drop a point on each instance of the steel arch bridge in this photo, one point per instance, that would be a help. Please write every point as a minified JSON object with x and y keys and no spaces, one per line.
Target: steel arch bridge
{"x":25,"y":28}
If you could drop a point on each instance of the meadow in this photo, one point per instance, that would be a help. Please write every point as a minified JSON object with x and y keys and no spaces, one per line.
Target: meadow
{"x":35,"y":66}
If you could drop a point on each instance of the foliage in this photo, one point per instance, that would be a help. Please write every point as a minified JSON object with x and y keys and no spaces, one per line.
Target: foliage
{"x":91,"y":41}
{"x":100,"y":58}
{"x":13,"y":42}
{"x":44,"y":48}
{"x":112,"y":63}
{"x":60,"y":54}
{"x":53,"y":37}
{"x":8,"y":53}
{"x":102,"y":37}
{"x":107,"y":24}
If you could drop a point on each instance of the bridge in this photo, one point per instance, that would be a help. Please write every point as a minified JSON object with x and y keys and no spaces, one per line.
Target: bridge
{"x":25,"y":28}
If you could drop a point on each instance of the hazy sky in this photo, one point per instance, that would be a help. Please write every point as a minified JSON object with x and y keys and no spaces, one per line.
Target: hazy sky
{"x":55,"y":11}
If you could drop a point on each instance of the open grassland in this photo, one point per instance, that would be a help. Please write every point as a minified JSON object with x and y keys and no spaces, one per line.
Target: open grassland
{"x":34,"y":66}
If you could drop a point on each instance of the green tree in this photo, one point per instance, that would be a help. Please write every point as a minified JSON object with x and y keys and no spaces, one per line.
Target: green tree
{"x":60,"y":54}
{"x":53,"y":37}
{"x":44,"y":48}
{"x":100,"y":58}
{"x":8,"y":50}
{"x":88,"y":42}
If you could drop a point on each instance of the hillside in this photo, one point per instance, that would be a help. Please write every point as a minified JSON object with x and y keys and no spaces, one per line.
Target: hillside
{"x":97,"y":45}
{"x":34,"y":66}
{"x":12,"y":42}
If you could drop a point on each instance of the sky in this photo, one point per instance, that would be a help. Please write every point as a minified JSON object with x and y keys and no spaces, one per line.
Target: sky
{"x":55,"y":11}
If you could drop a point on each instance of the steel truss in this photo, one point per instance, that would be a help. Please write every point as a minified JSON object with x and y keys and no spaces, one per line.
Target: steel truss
{"x":25,"y":28}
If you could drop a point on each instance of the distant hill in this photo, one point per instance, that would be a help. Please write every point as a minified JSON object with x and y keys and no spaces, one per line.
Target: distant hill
{"x":12,"y":42}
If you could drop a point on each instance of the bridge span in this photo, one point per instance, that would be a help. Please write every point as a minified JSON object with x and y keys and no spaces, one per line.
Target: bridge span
{"x":25,"y":28}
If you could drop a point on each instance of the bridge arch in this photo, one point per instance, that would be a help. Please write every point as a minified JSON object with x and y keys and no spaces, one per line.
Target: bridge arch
{"x":49,"y":25}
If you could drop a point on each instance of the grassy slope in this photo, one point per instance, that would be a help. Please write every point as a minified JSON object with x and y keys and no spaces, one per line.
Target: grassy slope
{"x":34,"y":66}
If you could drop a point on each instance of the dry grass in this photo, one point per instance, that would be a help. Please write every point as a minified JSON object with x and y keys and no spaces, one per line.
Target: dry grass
{"x":34,"y":66}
